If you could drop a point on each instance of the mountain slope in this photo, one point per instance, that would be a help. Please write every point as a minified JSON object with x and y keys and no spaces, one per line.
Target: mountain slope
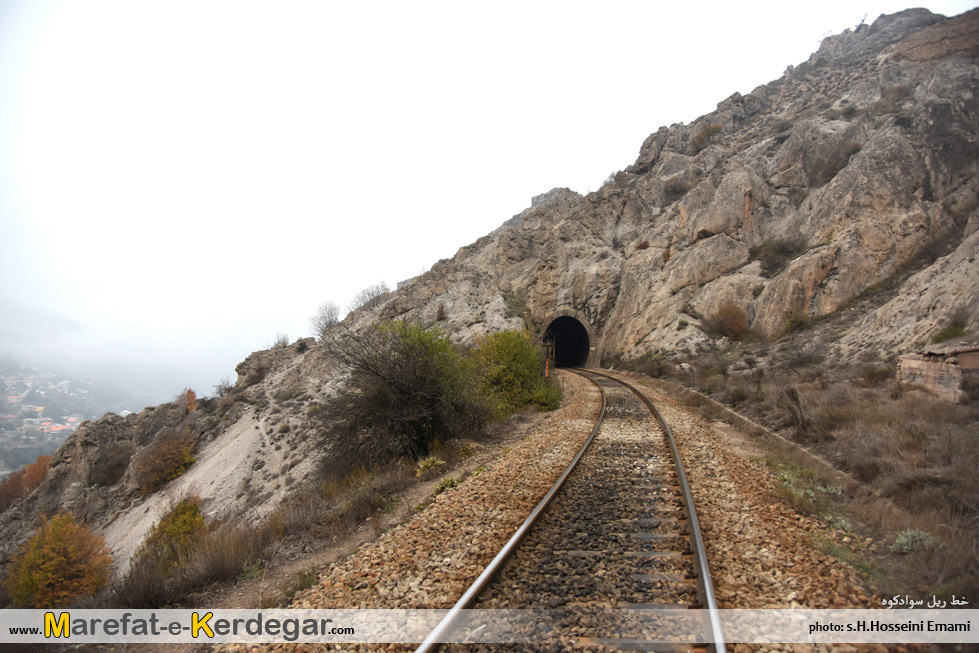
{"x":855,"y":168}
{"x":854,"y":165}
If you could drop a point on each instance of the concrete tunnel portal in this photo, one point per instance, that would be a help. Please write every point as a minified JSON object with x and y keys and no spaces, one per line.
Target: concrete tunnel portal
{"x":570,"y":341}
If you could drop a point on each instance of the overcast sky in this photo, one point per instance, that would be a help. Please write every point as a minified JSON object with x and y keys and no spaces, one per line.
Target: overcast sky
{"x":182,"y":180}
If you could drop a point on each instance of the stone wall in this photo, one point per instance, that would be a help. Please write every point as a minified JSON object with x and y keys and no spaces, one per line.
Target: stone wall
{"x":938,"y":374}
{"x":968,"y":360}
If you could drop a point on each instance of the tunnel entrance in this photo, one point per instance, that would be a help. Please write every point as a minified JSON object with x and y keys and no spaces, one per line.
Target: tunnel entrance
{"x":569,"y":340}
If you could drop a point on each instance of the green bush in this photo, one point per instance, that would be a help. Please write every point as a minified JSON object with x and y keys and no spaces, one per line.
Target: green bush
{"x":174,"y":536}
{"x":183,"y":553}
{"x":948,"y":333}
{"x":443,"y":485}
{"x":156,"y":574}
{"x":796,"y":323}
{"x":428,"y":465}
{"x":61,"y":563}
{"x":547,"y":396}
{"x":514,"y":307}
{"x":511,"y":369}
{"x":410,"y":387}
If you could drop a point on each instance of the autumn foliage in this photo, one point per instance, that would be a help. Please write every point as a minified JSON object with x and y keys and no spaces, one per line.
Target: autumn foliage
{"x":62,"y":562}
{"x":167,"y":458}
{"x":188,"y":398}
{"x":24,"y":481}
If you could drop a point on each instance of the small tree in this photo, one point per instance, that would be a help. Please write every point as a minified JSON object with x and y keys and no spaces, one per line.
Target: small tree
{"x":24,"y":481}
{"x":370,"y":297}
{"x":408,"y":387}
{"x":188,"y":398}
{"x":327,"y":316}
{"x":61,"y":563}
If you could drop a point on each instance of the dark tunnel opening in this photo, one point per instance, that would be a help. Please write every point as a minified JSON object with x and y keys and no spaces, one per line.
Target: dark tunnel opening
{"x":570,"y":341}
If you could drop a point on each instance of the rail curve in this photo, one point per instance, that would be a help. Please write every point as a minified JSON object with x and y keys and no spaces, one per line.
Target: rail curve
{"x":657,"y":546}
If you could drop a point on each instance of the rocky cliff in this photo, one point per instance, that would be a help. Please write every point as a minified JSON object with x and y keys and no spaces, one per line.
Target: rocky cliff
{"x":855,"y":170}
{"x":858,"y":165}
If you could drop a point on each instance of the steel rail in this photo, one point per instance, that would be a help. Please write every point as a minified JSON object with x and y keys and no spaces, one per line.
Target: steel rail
{"x":497,"y":563}
{"x":704,"y":582}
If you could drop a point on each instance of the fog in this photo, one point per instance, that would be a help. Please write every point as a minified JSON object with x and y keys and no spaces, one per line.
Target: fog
{"x":182,"y":181}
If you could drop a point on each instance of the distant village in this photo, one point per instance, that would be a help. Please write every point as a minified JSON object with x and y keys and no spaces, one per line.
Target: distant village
{"x":39,"y":411}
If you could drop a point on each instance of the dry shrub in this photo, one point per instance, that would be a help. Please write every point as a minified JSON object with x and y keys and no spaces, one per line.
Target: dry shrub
{"x":875,"y":375}
{"x":223,"y":552}
{"x":225,"y":403}
{"x":891,"y":98}
{"x":61,"y":563}
{"x":674,"y":189}
{"x":729,"y":321}
{"x":913,"y":458}
{"x":775,"y":255}
{"x":24,"y":481}
{"x":167,"y":458}
{"x":706,"y":136}
{"x":183,"y":553}
{"x":408,"y":387}
{"x":257,"y":374}
{"x":653,"y":364}
{"x":370,"y":297}
{"x":864,"y":449}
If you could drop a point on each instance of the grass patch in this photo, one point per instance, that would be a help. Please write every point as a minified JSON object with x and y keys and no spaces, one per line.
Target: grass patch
{"x":948,"y":333}
{"x":443,"y":485}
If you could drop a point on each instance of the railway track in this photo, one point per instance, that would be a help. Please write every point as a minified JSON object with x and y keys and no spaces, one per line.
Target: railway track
{"x":615,"y":541}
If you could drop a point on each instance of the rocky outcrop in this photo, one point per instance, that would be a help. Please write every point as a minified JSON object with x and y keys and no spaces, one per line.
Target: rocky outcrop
{"x":864,"y":154}
{"x":960,"y":36}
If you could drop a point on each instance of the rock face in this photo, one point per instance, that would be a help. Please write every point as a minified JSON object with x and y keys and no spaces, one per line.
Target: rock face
{"x":859,"y":167}
{"x":862,"y":161}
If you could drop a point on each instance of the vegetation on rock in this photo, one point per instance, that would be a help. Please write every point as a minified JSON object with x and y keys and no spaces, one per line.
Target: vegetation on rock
{"x":167,"y":458}
{"x":24,"y":481}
